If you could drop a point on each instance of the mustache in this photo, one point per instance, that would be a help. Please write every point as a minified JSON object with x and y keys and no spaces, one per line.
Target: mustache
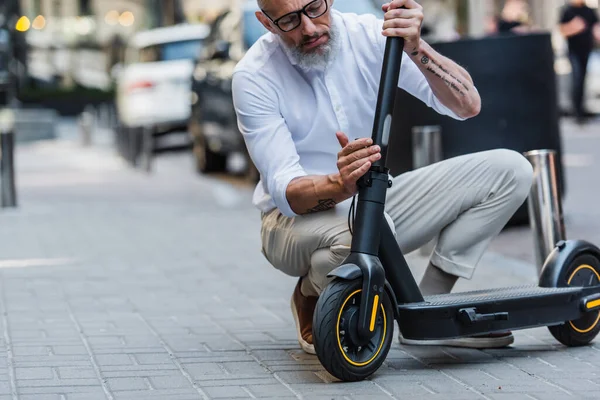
{"x":306,"y":39}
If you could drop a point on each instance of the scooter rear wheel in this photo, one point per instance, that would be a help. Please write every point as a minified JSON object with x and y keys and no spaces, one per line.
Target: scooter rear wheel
{"x":335,"y":332}
{"x":583,"y":271}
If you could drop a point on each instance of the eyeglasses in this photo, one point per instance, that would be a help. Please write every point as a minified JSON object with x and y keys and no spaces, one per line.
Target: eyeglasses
{"x":291,"y":21}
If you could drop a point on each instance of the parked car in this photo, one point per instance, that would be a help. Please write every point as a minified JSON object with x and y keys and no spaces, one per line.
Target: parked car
{"x":213,"y":124}
{"x":153,"y":85}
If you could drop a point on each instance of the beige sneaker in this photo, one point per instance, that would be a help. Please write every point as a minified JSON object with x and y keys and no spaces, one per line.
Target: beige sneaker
{"x":303,"y":309}
{"x":491,"y":341}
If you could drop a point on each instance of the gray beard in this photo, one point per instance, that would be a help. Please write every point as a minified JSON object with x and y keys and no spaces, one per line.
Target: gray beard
{"x":318,"y":58}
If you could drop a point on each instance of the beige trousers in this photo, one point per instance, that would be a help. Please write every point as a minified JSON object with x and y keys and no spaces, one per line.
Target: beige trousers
{"x":463,"y":203}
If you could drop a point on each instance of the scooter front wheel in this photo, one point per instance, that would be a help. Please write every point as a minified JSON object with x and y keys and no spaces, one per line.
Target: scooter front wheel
{"x":335,"y":327}
{"x":582,"y":270}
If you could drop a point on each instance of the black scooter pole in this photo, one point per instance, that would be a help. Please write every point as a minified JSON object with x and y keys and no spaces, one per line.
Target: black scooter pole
{"x":373,"y":186}
{"x":372,"y":193}
{"x":392,"y":62}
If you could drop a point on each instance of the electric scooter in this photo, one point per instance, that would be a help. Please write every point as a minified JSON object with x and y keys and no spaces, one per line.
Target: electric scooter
{"x":353,"y":323}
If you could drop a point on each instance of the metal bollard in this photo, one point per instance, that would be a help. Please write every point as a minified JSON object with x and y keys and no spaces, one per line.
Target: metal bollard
{"x":545,"y":204}
{"x":427,"y":150}
{"x":103,"y":117}
{"x":147,"y":151}
{"x":85,"y":128}
{"x":7,"y":161}
{"x":427,"y":145}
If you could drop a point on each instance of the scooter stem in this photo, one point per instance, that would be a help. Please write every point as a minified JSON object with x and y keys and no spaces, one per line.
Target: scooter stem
{"x":374,"y":184}
{"x":392,"y":61}
{"x":372,"y":193}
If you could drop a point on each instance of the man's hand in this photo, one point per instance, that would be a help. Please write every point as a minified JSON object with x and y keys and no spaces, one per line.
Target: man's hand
{"x":355,"y":159}
{"x":316,"y":193}
{"x":404,"y":22}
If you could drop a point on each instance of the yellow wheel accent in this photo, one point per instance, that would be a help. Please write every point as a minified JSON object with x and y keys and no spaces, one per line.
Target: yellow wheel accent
{"x":593,"y":304}
{"x":585,"y":266}
{"x":374,"y":313}
{"x":337,"y":333}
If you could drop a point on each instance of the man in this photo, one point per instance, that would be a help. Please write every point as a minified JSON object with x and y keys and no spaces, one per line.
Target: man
{"x":307,"y":87}
{"x":579,"y":24}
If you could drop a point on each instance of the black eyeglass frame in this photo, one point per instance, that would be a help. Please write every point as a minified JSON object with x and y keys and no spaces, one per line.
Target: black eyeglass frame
{"x":302,"y":11}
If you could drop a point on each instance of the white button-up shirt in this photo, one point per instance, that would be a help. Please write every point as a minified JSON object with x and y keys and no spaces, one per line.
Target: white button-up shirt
{"x":289,"y":117}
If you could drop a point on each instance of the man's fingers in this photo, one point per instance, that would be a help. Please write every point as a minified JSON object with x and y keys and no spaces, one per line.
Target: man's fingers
{"x":342,"y":138}
{"x":402,"y":13}
{"x":353,"y":166}
{"x":403,"y":3}
{"x":401,"y":32}
{"x":358,"y":156}
{"x":356,"y":145}
{"x":397,"y":4}
{"x":398,"y":23}
{"x":357,"y":174}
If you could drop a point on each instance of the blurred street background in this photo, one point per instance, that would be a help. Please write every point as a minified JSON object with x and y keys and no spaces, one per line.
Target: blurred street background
{"x":130,"y":263}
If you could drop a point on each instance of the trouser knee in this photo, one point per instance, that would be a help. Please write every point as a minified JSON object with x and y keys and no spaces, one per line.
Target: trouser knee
{"x":323,"y":261}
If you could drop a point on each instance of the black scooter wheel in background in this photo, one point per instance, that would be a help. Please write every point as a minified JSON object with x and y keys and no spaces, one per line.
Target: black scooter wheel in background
{"x":335,"y":332}
{"x":582,"y":271}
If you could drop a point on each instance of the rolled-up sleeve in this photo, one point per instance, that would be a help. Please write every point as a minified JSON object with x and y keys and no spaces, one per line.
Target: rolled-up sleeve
{"x":267,"y":137}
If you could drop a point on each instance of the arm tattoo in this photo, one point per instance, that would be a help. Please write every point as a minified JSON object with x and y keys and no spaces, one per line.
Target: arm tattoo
{"x":425,"y":61}
{"x":449,"y":73}
{"x":323,"y":205}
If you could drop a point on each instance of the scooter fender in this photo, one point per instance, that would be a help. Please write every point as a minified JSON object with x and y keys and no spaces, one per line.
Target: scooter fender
{"x":349,"y":272}
{"x":554,"y":269}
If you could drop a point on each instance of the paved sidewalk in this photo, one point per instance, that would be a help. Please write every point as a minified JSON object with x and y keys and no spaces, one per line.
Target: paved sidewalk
{"x":120,"y":285}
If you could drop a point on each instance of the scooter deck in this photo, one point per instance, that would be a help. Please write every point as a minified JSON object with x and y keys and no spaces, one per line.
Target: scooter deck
{"x":487,"y":311}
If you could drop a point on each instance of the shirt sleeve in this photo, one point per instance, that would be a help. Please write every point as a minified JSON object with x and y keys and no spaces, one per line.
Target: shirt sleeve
{"x":566,"y":16}
{"x":267,"y":137}
{"x":411,"y":79}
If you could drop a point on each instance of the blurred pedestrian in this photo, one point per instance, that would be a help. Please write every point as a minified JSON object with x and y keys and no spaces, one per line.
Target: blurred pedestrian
{"x":579,"y":24}
{"x":513,"y":19}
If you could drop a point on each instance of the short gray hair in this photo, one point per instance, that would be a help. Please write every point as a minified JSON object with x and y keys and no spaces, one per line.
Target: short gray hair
{"x":261,"y":3}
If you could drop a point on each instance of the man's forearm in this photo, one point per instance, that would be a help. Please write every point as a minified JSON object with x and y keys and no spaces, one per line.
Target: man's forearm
{"x":316,"y":193}
{"x":450,"y":83}
{"x":571,"y":28}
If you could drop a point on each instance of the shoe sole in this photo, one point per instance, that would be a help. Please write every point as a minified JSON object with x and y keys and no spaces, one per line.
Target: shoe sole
{"x":308,"y":348}
{"x":472,"y":343}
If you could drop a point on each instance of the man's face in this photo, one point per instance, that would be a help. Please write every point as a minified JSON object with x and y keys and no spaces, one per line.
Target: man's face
{"x":311,"y":36}
{"x":577,"y":2}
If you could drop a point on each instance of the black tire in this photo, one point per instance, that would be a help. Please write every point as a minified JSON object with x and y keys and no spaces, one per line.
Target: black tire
{"x":584,"y":270}
{"x":338,"y":301}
